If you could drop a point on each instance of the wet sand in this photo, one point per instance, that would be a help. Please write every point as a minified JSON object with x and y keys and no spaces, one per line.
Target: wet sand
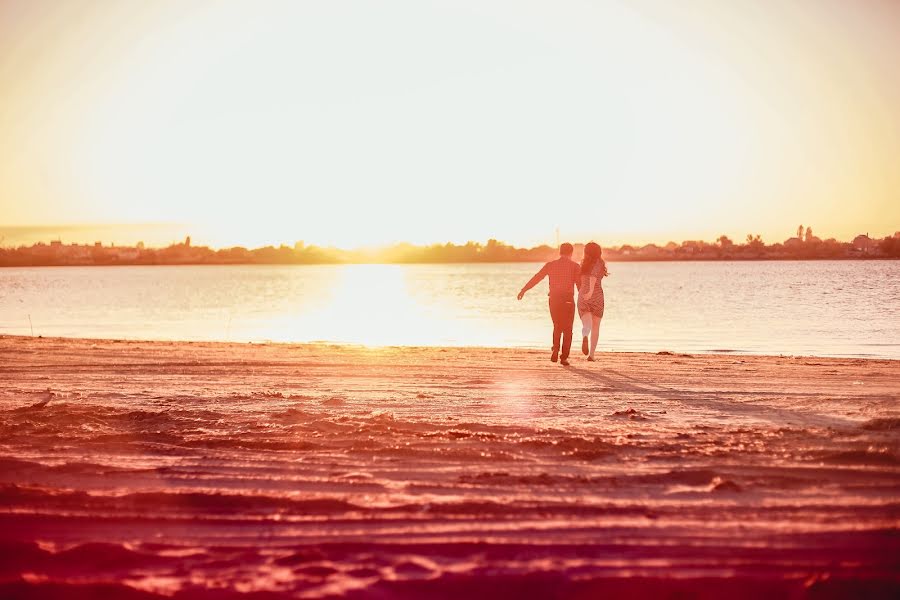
{"x":195,"y":470}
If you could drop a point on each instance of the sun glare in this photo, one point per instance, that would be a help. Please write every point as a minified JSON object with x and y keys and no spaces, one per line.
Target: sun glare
{"x":368,"y":304}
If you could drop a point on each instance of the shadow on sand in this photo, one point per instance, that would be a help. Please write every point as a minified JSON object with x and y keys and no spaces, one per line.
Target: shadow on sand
{"x":726,"y":403}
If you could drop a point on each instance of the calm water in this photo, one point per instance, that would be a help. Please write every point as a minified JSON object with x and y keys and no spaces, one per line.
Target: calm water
{"x":817,"y":308}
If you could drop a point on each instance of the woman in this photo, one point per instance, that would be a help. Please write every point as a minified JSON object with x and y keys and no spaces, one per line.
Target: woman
{"x":590,"y":296}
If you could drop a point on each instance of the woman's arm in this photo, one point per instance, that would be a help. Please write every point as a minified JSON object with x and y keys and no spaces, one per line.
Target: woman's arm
{"x":590,"y":291}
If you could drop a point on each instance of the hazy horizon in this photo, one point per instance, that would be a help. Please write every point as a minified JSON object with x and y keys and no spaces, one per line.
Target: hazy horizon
{"x":164,"y":234}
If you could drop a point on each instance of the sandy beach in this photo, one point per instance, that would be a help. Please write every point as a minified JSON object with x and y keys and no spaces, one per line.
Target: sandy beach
{"x":207,"y":470}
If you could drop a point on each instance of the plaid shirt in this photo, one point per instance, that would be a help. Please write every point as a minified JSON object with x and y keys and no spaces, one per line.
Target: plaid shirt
{"x":564,"y":273}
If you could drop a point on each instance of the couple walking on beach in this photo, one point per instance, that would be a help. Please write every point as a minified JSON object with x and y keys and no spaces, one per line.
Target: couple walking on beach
{"x":566,"y":274}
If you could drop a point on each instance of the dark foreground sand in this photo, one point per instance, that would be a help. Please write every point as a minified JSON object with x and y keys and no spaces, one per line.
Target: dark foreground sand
{"x":224,"y":470}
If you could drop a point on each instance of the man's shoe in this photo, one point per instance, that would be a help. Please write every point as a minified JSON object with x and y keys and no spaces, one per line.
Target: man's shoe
{"x":584,"y":345}
{"x":564,"y":362}
{"x":554,"y":356}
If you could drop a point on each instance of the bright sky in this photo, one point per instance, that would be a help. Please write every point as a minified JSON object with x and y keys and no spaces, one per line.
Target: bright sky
{"x":356,"y":123}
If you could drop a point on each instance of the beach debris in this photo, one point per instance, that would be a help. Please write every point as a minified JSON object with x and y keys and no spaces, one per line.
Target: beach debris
{"x":631,"y":413}
{"x":43,"y":402}
{"x":334,"y":401}
{"x":724,"y":485}
{"x":382,"y":416}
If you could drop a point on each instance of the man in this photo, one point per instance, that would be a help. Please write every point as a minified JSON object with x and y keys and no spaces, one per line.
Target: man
{"x":565,"y":274}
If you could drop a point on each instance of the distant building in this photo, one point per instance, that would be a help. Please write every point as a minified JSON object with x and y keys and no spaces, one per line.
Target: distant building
{"x":692,"y":246}
{"x":793,"y":242}
{"x":863,"y":243}
{"x":187,"y":241}
{"x":126,"y":253}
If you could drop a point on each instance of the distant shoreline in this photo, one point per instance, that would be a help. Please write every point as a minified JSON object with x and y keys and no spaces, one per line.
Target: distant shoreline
{"x":55,"y":253}
{"x":536,"y":350}
{"x":470,"y":262}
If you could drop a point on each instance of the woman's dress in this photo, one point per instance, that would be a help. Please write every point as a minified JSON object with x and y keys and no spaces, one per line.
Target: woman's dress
{"x":595,"y":303}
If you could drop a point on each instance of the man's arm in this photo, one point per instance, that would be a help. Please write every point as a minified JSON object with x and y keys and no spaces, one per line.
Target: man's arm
{"x":533,"y":281}
{"x":577,"y":277}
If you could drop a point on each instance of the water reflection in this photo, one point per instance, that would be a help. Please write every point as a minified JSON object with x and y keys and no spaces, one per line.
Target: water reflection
{"x":369,"y":304}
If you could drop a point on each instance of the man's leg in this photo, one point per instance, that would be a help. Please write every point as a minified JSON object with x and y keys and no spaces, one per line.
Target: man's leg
{"x":567,"y":320}
{"x":557,"y":330}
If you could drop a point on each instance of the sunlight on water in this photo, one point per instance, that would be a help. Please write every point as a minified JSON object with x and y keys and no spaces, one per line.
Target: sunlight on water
{"x":374,"y":305}
{"x":817,"y":308}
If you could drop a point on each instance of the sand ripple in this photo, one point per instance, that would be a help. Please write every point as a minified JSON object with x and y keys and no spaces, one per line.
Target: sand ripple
{"x":219,"y":471}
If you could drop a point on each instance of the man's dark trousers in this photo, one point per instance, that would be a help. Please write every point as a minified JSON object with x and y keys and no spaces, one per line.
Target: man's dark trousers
{"x":562,"y":311}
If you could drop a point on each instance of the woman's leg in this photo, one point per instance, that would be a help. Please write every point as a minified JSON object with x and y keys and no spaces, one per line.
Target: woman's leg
{"x":585,"y":330}
{"x":585,"y":323}
{"x":595,"y":333}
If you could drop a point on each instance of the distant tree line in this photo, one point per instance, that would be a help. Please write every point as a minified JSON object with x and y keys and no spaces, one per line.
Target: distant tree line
{"x":803,"y":247}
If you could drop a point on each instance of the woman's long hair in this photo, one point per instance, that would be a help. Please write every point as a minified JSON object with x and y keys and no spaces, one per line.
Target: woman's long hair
{"x":592,"y":254}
